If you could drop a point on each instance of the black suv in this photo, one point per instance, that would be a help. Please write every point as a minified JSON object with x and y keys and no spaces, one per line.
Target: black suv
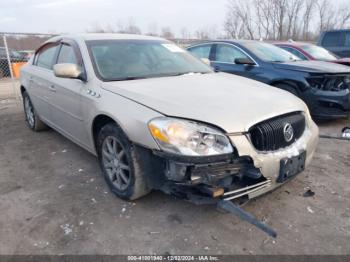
{"x":324,"y":87}
{"x":336,"y":41}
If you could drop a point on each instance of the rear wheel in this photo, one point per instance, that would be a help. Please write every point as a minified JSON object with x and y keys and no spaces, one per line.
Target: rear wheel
{"x":120,"y":164}
{"x":32,"y":119}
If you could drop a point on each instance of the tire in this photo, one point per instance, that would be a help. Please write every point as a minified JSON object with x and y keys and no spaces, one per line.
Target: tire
{"x":288,"y":88}
{"x":32,"y":119}
{"x":120,"y":164}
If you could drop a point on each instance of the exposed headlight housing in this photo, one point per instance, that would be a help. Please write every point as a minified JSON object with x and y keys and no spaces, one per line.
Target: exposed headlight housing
{"x":189,"y":138}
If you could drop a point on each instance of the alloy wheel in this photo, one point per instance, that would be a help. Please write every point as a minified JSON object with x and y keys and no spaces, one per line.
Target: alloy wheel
{"x":29,"y":110}
{"x":115,"y":163}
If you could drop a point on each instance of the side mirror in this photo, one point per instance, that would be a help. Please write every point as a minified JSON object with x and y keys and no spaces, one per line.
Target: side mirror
{"x":68,"y":71}
{"x":244,"y":61}
{"x":206,"y":61}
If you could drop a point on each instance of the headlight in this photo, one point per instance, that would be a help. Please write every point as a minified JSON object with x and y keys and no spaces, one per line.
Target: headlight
{"x":189,"y":138}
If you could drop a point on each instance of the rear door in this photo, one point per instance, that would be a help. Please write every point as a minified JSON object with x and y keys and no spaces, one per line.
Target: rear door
{"x":41,"y":72}
{"x":67,"y":111}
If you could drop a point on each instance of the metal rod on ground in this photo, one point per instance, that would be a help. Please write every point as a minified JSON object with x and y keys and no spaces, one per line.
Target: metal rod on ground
{"x":236,"y":210}
{"x":10,"y":68}
{"x":335,"y":137}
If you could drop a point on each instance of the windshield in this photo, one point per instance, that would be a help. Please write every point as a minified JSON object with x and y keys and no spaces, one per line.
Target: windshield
{"x":319,"y":53}
{"x":117,"y":60}
{"x":270,"y":53}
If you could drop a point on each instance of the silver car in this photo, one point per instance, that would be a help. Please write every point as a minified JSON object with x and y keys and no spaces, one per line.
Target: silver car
{"x":158,"y":118}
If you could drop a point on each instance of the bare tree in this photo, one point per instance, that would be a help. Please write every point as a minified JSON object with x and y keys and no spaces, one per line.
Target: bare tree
{"x":293,"y":14}
{"x":284,"y":19}
{"x":129,"y":28}
{"x":166,"y":32}
{"x":308,"y":14}
{"x":153,"y":30}
{"x":185,"y":34}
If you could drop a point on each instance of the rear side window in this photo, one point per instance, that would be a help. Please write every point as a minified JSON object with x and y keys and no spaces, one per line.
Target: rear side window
{"x":202,"y":51}
{"x":228,"y":54}
{"x":67,"y":55}
{"x":333,"y":39}
{"x":45,"y":58}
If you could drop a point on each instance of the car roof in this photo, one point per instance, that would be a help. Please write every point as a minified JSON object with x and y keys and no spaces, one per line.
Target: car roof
{"x":106,"y":36}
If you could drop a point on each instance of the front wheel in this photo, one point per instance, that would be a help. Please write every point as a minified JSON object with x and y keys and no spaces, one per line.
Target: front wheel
{"x":120,"y":164}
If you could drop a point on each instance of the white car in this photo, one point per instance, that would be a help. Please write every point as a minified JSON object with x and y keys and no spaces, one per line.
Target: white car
{"x":158,"y":118}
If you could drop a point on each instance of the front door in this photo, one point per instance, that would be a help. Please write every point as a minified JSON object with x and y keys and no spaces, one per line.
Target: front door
{"x":67,"y":111}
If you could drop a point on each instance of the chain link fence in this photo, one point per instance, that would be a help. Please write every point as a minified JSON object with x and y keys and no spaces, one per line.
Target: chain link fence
{"x":15,"y":51}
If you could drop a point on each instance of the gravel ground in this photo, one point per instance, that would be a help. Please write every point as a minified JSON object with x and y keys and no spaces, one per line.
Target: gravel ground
{"x":53,"y":200}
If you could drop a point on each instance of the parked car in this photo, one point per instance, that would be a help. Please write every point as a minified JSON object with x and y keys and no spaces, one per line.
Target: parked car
{"x":311,"y":52}
{"x":323,"y":86}
{"x":4,"y":65}
{"x":26,"y":54}
{"x":145,"y":108}
{"x":336,"y":41}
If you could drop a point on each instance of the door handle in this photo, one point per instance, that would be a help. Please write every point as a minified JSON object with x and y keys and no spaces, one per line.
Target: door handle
{"x":52,"y":88}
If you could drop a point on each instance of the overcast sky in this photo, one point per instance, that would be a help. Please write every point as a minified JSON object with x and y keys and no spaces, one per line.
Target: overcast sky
{"x":71,"y":16}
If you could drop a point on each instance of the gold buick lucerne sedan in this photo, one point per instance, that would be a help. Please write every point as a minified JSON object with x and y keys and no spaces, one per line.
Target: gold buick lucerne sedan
{"x":159,"y":118}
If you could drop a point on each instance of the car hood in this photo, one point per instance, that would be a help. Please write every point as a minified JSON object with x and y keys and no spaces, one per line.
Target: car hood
{"x":313,"y":67}
{"x":230,"y":102}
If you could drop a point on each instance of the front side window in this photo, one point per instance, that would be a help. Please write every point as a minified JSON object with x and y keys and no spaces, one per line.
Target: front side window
{"x":270,"y":53}
{"x":202,"y":51}
{"x":333,"y":39}
{"x":67,"y":55}
{"x":45,"y":58}
{"x":294,"y":52}
{"x":228,"y":54}
{"x":319,"y":53}
{"x":117,"y":60}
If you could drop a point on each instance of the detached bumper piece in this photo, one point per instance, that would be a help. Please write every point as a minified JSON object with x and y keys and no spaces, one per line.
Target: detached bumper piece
{"x":236,"y":210}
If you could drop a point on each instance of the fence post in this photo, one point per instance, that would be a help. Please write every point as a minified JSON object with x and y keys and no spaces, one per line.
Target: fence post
{"x":10,"y":68}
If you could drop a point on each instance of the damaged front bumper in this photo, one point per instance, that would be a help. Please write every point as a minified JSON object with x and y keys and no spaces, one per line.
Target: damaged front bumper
{"x":328,"y":97}
{"x":242,"y":176}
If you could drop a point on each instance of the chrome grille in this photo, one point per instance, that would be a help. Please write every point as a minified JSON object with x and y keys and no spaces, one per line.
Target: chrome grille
{"x":270,"y":135}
